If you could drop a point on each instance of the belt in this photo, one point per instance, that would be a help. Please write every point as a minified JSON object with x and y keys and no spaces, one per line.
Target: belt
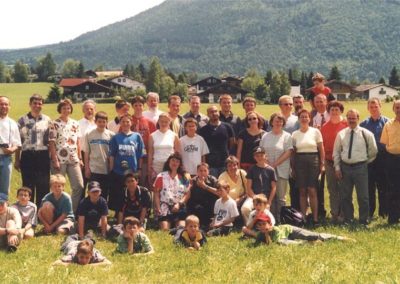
{"x":354,"y":164}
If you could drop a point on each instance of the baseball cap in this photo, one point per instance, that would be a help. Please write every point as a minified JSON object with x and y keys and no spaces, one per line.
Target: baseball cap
{"x":263,"y":218}
{"x":94,"y":186}
{"x":258,"y":150}
{"x":3,"y":197}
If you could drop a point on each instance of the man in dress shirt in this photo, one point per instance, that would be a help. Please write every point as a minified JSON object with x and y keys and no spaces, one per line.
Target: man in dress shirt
{"x":322,"y":115}
{"x":354,"y":149}
{"x":194,"y":112}
{"x":34,"y":161}
{"x":376,"y":172}
{"x":391,"y":139}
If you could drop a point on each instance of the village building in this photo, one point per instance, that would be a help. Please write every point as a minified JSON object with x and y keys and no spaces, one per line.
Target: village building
{"x":381,"y":91}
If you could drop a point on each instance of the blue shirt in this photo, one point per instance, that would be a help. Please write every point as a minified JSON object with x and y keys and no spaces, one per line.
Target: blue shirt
{"x":63,"y":205}
{"x":376,"y":127}
{"x":126,"y":150}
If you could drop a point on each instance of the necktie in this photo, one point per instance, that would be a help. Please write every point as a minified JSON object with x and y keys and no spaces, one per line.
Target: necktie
{"x":351,"y":143}
{"x":322,"y":119}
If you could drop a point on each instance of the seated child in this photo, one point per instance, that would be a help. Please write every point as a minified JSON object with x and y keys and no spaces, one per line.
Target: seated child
{"x":56,"y":212}
{"x":225,"y":212}
{"x":137,"y":201}
{"x":191,"y":236}
{"x":287,"y":234}
{"x":28,"y":212}
{"x":92,"y":211}
{"x":10,"y":224}
{"x":132,"y":240}
{"x":80,"y":252}
{"x":260,"y":202}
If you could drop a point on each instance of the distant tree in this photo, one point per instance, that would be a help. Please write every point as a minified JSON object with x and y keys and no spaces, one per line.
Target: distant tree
{"x":354,"y":81}
{"x":182,"y":78}
{"x":275,"y":88}
{"x":303,"y":82}
{"x":81,"y":70}
{"x":394,"y":78}
{"x":192,"y":78}
{"x":181,"y":90}
{"x":99,"y":68}
{"x":46,"y":67}
{"x":127,"y":70}
{"x":70,"y":68}
{"x":3,"y":78}
{"x":262,"y":93}
{"x":335,"y":74}
{"x":143,"y":72}
{"x":309,"y":80}
{"x":167,"y":87}
{"x":382,"y":80}
{"x":153,"y":83}
{"x":172,"y":75}
{"x":21,"y":72}
{"x":285,"y":84}
{"x":54,"y":95}
{"x":268,"y":77}
{"x":252,"y":80}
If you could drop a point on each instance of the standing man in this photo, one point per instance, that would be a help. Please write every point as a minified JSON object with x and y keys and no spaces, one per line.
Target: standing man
{"x":10,"y":141}
{"x":376,"y":169}
{"x":298,"y":102}
{"x":354,"y":149}
{"x":250,"y":104}
{"x":321,"y":116}
{"x":219,"y":137}
{"x":174,"y":107}
{"x":226,"y":114}
{"x":194,"y":112}
{"x":33,"y":161}
{"x":152,"y":103}
{"x":291,"y":120}
{"x":391,"y":139}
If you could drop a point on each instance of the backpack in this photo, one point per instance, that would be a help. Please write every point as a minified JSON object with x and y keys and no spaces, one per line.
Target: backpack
{"x":291,"y":216}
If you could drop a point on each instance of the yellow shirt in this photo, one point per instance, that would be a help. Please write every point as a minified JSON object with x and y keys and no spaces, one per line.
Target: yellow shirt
{"x":391,"y":136}
{"x":237,"y":189}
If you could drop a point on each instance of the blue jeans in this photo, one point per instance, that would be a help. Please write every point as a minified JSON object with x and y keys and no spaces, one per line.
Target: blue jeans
{"x":5,"y":173}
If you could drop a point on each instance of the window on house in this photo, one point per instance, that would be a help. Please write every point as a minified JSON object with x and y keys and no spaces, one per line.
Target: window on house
{"x":87,"y":87}
{"x":124,"y":80}
{"x":382,"y":92}
{"x":119,"y":80}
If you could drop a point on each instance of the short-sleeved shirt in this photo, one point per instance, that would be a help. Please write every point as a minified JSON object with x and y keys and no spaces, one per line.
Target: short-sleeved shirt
{"x":217,"y":139}
{"x":144,"y":127}
{"x":34,"y":132}
{"x":329,"y":132}
{"x":152,"y":115}
{"x":200,"y":118}
{"x":307,"y":142}
{"x":238,"y":188}
{"x":233,"y":120}
{"x":202,"y":196}
{"x":275,"y":145}
{"x":192,"y":149}
{"x":390,"y":136}
{"x":250,"y":142}
{"x":63,"y":205}
{"x":65,"y":136}
{"x":92,"y":211}
{"x":376,"y":127}
{"x":292,"y":124}
{"x":85,"y":126}
{"x":28,"y":213}
{"x":97,"y":145}
{"x":134,"y":206}
{"x":10,"y":214}
{"x":278,"y":233}
{"x":326,"y":91}
{"x":261,"y":179}
{"x":172,"y":191}
{"x":182,"y":237}
{"x":127,"y":150}
{"x":141,"y":243}
{"x":9,"y":133}
{"x":224,"y":210}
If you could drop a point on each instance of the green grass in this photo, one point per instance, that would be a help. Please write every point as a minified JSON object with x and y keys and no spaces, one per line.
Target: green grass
{"x":225,"y":259}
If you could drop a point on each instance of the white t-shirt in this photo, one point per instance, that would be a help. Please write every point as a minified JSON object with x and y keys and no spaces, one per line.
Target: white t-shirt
{"x":266,"y":211}
{"x":192,"y":149}
{"x":97,"y":146}
{"x":152,"y":115}
{"x":85,"y":126}
{"x":225,"y":210}
{"x":307,"y":142}
{"x":9,"y":133}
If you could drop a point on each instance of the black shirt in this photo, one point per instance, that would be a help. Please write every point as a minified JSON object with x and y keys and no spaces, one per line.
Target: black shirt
{"x":261,"y":179}
{"x":133,"y":207}
{"x":250,"y":142}
{"x":202,"y":197}
{"x":92,"y":211}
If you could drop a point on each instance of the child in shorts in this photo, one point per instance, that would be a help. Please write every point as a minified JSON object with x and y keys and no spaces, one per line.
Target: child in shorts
{"x":191,"y":236}
{"x":260,"y":202}
{"x":132,"y":240}
{"x":225,"y":212}
{"x":28,"y":212}
{"x":56,"y":212}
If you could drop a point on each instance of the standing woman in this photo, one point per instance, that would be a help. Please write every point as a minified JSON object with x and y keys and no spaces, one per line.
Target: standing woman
{"x":279,"y":147}
{"x":309,"y":157}
{"x":65,"y":150}
{"x":171,"y":193}
{"x":236,"y":179}
{"x":162,"y":143}
{"x":249,"y":139}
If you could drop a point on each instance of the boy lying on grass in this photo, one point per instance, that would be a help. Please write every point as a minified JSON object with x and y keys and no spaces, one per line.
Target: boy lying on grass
{"x":132,"y":240}
{"x":191,"y":236}
{"x":260,"y":203}
{"x":81,"y":252}
{"x":287,"y":234}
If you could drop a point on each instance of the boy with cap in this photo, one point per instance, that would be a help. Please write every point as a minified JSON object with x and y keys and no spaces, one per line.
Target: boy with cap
{"x":261,"y":178}
{"x":92,"y":211}
{"x":287,"y":234}
{"x":10,"y":223}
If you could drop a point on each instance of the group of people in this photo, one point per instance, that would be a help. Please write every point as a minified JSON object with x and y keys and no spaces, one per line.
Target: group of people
{"x":207,"y":170}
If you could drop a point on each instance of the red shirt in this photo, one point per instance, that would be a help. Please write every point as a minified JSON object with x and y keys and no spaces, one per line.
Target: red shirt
{"x":329,"y":132}
{"x":144,"y":127}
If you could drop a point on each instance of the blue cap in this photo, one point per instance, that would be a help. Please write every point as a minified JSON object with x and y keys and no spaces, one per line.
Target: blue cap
{"x":3,"y":197}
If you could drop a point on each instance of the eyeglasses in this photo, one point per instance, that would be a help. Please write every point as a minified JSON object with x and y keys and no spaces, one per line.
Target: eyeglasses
{"x":287,"y":104}
{"x":252,"y":118}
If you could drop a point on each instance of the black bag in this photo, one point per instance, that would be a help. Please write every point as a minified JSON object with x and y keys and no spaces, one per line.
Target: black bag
{"x":291,"y":216}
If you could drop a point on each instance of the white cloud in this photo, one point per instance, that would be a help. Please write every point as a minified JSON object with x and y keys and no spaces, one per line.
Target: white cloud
{"x":27,"y":23}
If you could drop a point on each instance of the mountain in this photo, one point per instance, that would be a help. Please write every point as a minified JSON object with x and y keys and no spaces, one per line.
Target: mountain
{"x":361,"y":37}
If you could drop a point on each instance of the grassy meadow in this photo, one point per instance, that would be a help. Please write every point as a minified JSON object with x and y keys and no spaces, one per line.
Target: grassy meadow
{"x":224,"y":259}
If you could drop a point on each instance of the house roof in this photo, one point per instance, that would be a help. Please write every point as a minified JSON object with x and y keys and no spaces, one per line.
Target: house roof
{"x":112,"y":73}
{"x":363,"y":88}
{"x":72,"y":82}
{"x":224,"y":87}
{"x":205,"y":79}
{"x":93,"y":83}
{"x":332,"y":82}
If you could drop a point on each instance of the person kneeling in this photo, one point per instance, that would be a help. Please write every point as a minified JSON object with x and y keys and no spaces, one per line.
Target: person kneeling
{"x":28,"y":212}
{"x":191,"y":236}
{"x":10,"y":224}
{"x":132,"y":240}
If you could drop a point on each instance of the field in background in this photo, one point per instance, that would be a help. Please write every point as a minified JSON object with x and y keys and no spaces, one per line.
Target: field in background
{"x":223,"y":260}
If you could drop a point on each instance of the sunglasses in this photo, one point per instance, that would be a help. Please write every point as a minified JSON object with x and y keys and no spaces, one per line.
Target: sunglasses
{"x":252,"y":118}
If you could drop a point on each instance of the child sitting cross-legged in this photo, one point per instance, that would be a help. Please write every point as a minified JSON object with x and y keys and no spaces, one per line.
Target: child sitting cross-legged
{"x":225,"y":212}
{"x":132,"y":240}
{"x":28,"y":212}
{"x":191,"y":236}
{"x":260,"y":202}
{"x":287,"y":234}
{"x":81,"y":252}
